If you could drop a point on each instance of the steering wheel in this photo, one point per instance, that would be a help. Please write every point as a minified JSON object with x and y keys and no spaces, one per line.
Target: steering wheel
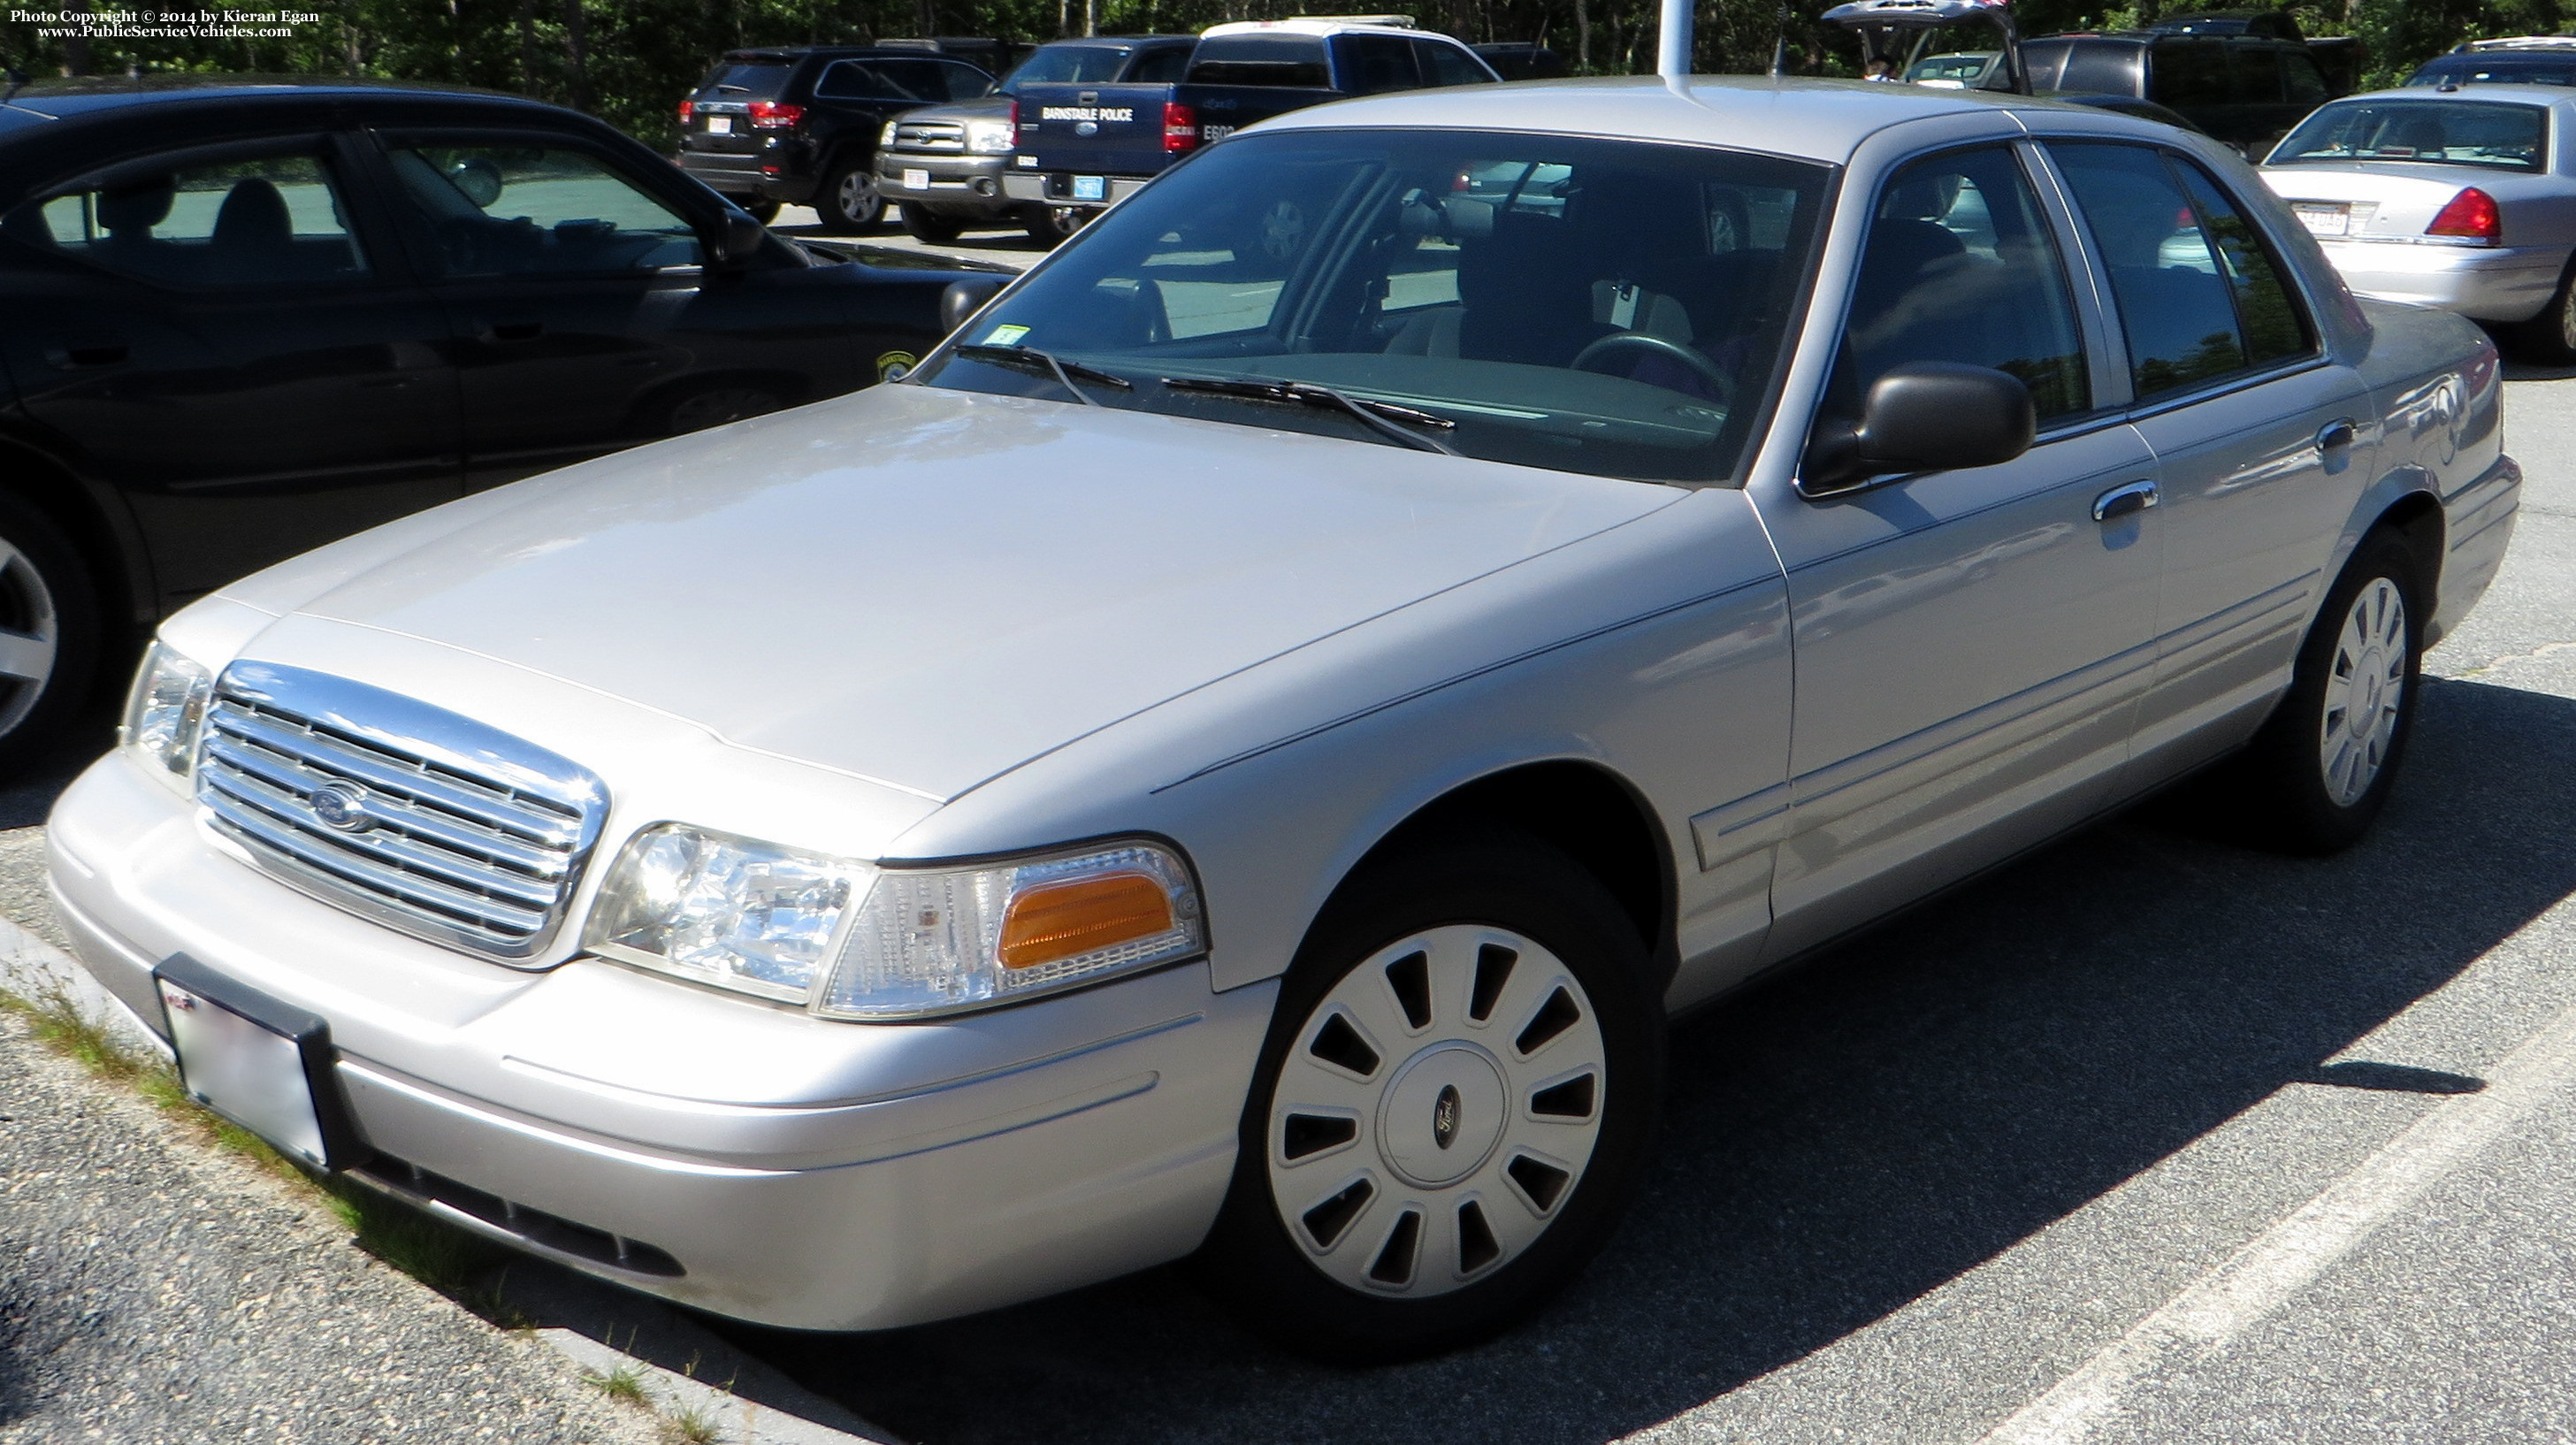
{"x":1701,"y":366}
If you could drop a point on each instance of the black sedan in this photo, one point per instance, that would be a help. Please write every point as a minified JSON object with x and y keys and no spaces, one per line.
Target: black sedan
{"x":238,"y":321}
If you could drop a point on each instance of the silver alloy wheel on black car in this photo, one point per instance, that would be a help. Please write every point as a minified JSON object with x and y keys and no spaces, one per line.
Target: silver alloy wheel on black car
{"x":30,"y":636}
{"x":1441,"y":1103}
{"x":2365,"y":691}
{"x":849,"y":200}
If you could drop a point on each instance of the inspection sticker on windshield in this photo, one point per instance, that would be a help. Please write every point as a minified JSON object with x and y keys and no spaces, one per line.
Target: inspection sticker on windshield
{"x":1005,"y":335}
{"x":2323,"y":218}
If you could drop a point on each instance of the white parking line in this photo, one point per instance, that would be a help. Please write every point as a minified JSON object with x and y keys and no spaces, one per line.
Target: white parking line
{"x":2214,"y":1308}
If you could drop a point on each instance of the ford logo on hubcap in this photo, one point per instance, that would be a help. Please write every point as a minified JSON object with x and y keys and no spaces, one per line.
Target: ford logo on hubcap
{"x":1444,"y":1116}
{"x":339,"y":805}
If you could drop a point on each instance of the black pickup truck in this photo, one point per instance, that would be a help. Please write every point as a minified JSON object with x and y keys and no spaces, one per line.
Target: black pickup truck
{"x":1081,"y":147}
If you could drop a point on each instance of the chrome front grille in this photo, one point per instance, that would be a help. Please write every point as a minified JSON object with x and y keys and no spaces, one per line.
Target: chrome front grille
{"x":929,"y":135}
{"x":414,"y":816}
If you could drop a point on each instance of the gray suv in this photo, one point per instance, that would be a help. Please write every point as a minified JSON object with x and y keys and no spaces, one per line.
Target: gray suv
{"x":943,"y":164}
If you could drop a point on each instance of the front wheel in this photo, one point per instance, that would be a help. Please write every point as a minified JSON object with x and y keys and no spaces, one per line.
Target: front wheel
{"x":2320,"y":770}
{"x":848,"y":202}
{"x":1456,"y":1099}
{"x":924,"y":224}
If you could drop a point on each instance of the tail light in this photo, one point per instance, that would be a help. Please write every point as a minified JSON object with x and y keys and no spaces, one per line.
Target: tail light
{"x":2472,"y":216}
{"x":1180,"y":127}
{"x":687,"y":108}
{"x":1015,"y":119}
{"x":775,"y":115}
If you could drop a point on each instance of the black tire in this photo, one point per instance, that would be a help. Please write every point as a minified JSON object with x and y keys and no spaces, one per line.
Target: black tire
{"x":2549,"y":339}
{"x":47,"y":593}
{"x":848,"y":202}
{"x":924,"y":224}
{"x":1277,"y":1282}
{"x":1049,"y":226}
{"x":2286,"y":788}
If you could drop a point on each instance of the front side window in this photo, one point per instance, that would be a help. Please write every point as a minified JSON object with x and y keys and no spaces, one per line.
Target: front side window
{"x":928,"y":81}
{"x":1961,"y":266}
{"x":2485,"y":135}
{"x":1586,"y":305}
{"x":228,"y":220}
{"x":518,"y":210}
{"x":2200,"y":294}
{"x":1378,"y":63}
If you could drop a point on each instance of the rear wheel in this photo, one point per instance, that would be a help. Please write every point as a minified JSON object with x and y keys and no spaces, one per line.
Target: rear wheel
{"x":1050,"y":225}
{"x":924,"y":224}
{"x":1454,"y":1104}
{"x":2549,"y":339}
{"x":2320,"y":770}
{"x":848,"y":201}
{"x":49,"y":631}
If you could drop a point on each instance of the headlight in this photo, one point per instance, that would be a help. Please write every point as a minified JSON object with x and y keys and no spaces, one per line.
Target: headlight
{"x":988,"y":136}
{"x":165,"y":713}
{"x":885,"y":137}
{"x":931,"y":942}
{"x":733,"y":912}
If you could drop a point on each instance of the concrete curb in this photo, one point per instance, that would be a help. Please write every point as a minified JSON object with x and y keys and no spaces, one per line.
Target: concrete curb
{"x":36,"y":970}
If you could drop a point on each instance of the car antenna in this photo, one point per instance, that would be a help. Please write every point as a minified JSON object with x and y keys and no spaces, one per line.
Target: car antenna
{"x":1780,"y":44}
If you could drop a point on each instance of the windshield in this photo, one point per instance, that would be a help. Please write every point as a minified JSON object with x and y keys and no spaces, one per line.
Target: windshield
{"x":1611,"y":307}
{"x":1068,"y":65}
{"x":1950,"y":70}
{"x":2488,"y":135}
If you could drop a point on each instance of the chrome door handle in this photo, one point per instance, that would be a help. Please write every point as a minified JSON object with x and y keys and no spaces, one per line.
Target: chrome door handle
{"x":2335,"y":434}
{"x":2121,"y":501}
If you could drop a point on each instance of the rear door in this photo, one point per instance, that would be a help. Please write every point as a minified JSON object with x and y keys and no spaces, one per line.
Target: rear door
{"x":2260,"y":438}
{"x":228,"y":335}
{"x":580,"y":317}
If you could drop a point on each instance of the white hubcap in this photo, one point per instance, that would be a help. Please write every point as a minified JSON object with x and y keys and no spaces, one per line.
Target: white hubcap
{"x":1436,"y":1111}
{"x":2365,"y":687}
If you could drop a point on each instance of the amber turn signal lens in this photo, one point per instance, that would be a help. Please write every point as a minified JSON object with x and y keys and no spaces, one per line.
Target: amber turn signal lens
{"x":1082,"y":915}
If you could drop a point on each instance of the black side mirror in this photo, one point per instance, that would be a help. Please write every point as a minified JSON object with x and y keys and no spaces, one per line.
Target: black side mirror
{"x":1924,"y":416}
{"x":966,"y":297}
{"x":737,"y":239}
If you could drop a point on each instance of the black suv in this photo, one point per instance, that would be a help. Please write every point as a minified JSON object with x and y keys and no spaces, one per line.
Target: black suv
{"x":237,"y":322}
{"x":2519,"y":60}
{"x":801,"y":124}
{"x":2244,"y":89}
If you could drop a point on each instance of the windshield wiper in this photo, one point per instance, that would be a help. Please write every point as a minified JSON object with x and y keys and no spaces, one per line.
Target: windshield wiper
{"x":1381,"y":416}
{"x":1029,"y":358}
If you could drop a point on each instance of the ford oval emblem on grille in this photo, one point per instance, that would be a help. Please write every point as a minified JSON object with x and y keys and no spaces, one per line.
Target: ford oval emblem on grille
{"x":340,"y":805}
{"x":1087,"y":127}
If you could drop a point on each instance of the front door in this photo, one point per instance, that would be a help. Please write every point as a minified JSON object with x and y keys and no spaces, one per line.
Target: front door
{"x":216,"y":332}
{"x":2257,"y":434}
{"x":1969,"y":645}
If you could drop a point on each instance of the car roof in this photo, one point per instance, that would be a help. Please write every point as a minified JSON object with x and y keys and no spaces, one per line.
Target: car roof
{"x":66,"y":99}
{"x":1313,"y":26}
{"x":1824,"y":120}
{"x":2494,"y":91}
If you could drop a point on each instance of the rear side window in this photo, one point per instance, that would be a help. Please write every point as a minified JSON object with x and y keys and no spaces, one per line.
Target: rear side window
{"x":1069,"y":65}
{"x":2188,"y":73}
{"x":744,"y":80}
{"x":1162,"y":67}
{"x":2488,"y":135}
{"x":1446,"y":64}
{"x":241,"y":220}
{"x":2200,"y":295}
{"x":1961,"y":266}
{"x":901,"y":80}
{"x":1374,"y":63}
{"x":1291,"y":61}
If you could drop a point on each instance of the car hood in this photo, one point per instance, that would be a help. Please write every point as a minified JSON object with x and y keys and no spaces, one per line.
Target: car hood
{"x":927,"y":588}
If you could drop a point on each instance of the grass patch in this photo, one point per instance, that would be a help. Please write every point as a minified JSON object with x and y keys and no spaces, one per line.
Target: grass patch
{"x":624,"y":1384}
{"x":690,"y":1425}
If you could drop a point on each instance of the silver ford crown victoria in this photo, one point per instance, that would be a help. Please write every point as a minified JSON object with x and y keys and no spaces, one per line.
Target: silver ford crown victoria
{"x":1241,"y":752}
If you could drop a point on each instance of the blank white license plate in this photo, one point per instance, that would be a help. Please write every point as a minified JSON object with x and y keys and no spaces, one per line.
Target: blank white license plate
{"x":916,"y":180}
{"x":2323,"y":218}
{"x":1091,"y":188}
{"x":245,"y":1071}
{"x":719,"y":125}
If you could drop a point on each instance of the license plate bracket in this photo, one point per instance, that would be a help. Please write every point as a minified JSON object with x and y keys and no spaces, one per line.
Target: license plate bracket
{"x":258,"y":1061}
{"x":1091,"y":188}
{"x":2323,"y":218}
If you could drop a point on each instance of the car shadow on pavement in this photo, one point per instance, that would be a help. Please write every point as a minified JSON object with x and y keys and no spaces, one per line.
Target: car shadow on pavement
{"x":1852,"y":1135}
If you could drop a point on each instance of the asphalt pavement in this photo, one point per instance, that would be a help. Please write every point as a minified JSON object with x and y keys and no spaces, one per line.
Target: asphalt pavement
{"x":2146,"y":1138}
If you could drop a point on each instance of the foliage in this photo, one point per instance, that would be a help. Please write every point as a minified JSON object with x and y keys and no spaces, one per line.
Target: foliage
{"x":632,"y":60}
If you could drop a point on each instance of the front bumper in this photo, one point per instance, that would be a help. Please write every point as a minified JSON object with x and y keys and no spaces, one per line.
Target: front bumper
{"x":794,"y":1171}
{"x":2483,"y":283}
{"x":951,"y":184}
{"x":1055,"y":188}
